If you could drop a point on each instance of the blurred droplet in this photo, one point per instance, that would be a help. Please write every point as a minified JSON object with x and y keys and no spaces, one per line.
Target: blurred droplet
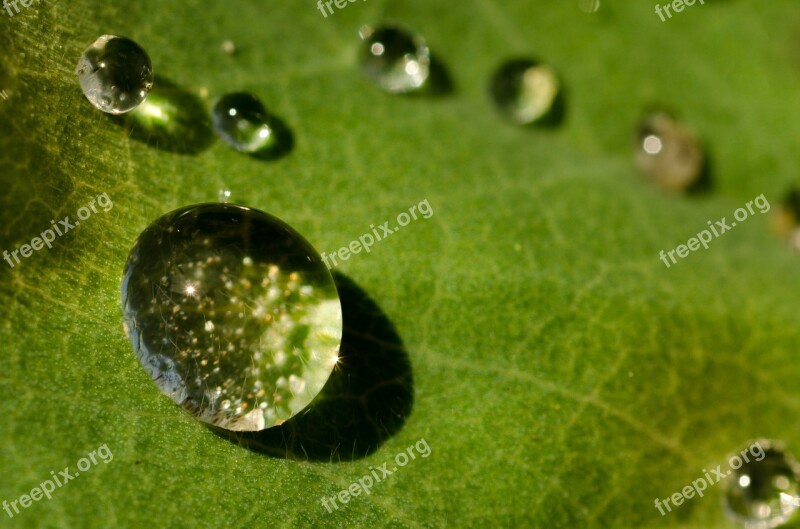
{"x":396,"y":59}
{"x":115,"y":74}
{"x":228,"y":47}
{"x":232,"y":313}
{"x":763,"y":493}
{"x":224,"y":195}
{"x":242,"y":121}
{"x":589,"y":6}
{"x":668,"y":153}
{"x":527,"y":92}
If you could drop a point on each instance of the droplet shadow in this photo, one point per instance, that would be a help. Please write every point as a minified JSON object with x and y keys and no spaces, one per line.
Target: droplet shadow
{"x":366,"y":400}
{"x":284,"y":140}
{"x":171,"y":119}
{"x":440,"y":82}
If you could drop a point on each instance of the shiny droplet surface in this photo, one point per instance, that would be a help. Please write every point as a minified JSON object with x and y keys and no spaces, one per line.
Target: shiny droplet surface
{"x":527,"y":92}
{"x":589,"y":6}
{"x":668,"y":152}
{"x":396,"y":59}
{"x":241,"y":120}
{"x":763,"y":493}
{"x":232,"y":313}
{"x":115,"y":74}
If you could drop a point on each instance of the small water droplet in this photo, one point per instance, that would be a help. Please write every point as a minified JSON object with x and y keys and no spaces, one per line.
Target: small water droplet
{"x":115,"y":74}
{"x":589,"y":6}
{"x":228,"y":47}
{"x":242,"y":121}
{"x":527,"y":92}
{"x":213,"y":296}
{"x":668,"y":152}
{"x":763,"y":493}
{"x":224,"y":195}
{"x":396,"y":59}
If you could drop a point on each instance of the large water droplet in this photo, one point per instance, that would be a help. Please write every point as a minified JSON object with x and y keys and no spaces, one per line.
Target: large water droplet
{"x":396,"y":59}
{"x":763,"y":493}
{"x":527,"y":92}
{"x":115,"y":74}
{"x":668,"y":153}
{"x":232,"y":313}
{"x":242,"y":121}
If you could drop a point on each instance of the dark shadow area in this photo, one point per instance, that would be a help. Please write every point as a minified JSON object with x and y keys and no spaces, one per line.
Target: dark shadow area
{"x":170,"y":119}
{"x":366,"y":400}
{"x":283,"y":140}
{"x":705,"y":183}
{"x":440,"y":82}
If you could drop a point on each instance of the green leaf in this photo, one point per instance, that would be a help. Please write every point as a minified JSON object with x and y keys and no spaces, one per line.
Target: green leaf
{"x":562,"y":375}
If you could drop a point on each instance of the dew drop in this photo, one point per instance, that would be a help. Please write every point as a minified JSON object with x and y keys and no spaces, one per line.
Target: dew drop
{"x":527,"y":92}
{"x":589,"y":6}
{"x":764,"y":492}
{"x":396,"y":59}
{"x":232,"y":313}
{"x":242,"y":121}
{"x":115,"y":74}
{"x":228,"y":47}
{"x":668,"y":153}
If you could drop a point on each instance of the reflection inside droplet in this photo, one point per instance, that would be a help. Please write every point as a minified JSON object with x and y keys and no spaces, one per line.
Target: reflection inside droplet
{"x":762,"y":493}
{"x":232,"y":313}
{"x":396,"y":59}
{"x":668,"y":152}
{"x":527,"y":92}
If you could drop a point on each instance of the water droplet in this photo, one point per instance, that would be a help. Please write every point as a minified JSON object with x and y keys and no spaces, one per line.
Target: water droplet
{"x":527,"y":92}
{"x":228,"y":309}
{"x":589,"y":6}
{"x":242,"y":121}
{"x":228,"y":47}
{"x":224,"y":195}
{"x":115,"y":74}
{"x":396,"y":59}
{"x":763,"y":493}
{"x":668,"y":153}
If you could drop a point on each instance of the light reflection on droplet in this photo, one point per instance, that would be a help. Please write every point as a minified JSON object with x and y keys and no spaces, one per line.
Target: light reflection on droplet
{"x":226,"y":312}
{"x":527,"y":92}
{"x":589,"y":6}
{"x":668,"y":152}
{"x":761,"y":493}
{"x":396,"y":59}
